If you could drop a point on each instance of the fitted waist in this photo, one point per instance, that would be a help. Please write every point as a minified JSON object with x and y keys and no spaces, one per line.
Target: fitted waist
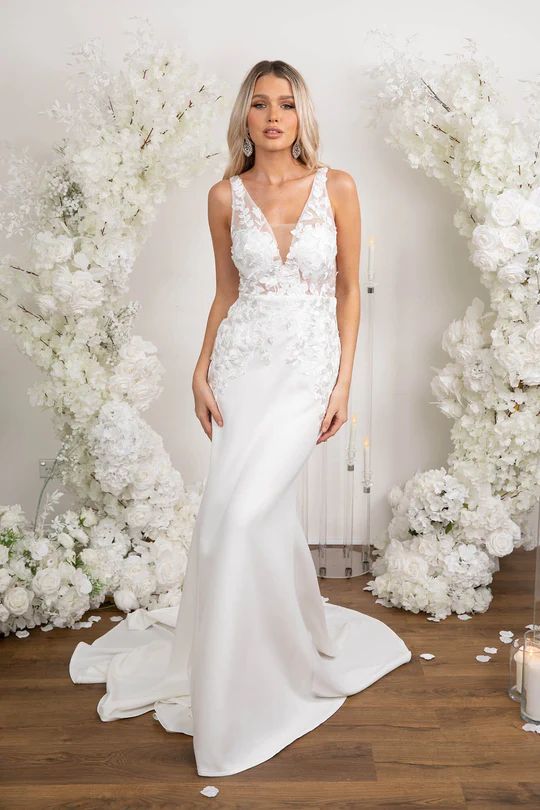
{"x":293,"y":298}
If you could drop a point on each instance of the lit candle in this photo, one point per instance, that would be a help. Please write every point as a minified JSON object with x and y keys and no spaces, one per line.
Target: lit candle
{"x":371,"y":260}
{"x":366,"y":458}
{"x":531,"y":683}
{"x":351,"y":450}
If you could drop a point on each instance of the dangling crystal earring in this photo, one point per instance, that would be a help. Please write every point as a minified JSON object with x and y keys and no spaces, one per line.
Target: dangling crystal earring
{"x":296,"y":150}
{"x":247,"y":147}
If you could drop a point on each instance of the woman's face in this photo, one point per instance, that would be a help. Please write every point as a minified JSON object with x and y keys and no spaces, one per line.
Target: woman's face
{"x":272,"y":105}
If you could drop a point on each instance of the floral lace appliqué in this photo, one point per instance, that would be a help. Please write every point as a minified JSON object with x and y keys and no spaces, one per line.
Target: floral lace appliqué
{"x":251,"y":327}
{"x":310,"y":267}
{"x":304,"y":286}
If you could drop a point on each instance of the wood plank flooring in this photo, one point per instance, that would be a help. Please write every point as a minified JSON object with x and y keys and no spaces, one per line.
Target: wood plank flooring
{"x":440,"y":733}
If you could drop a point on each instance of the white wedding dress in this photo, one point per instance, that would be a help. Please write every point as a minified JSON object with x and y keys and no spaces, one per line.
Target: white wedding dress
{"x":253,"y":657}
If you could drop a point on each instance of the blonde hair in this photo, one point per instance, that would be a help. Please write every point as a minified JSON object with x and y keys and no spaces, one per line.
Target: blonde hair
{"x":308,"y":129}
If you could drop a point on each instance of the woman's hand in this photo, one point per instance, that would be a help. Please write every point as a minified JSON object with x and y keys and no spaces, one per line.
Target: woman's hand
{"x":205,"y":404}
{"x":336,"y":412}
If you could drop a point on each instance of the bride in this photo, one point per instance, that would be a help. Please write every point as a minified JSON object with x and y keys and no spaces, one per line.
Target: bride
{"x":253,"y":657}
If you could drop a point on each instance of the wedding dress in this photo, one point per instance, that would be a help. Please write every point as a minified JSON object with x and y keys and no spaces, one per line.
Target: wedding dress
{"x":253,"y":657}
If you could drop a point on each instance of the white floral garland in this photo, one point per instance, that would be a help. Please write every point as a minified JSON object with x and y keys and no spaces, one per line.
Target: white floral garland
{"x":87,"y":214}
{"x":449,"y":527}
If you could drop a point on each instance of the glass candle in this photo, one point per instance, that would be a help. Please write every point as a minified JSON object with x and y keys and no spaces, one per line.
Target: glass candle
{"x":516,"y":669}
{"x":530,"y":692}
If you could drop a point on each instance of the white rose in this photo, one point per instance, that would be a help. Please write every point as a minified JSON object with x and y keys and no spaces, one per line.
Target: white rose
{"x":168,"y":571}
{"x":125,"y":599}
{"x":81,"y":583}
{"x":485,"y":259}
{"x":506,"y":207}
{"x":17,"y":600}
{"x":4,"y":613}
{"x":529,"y":217}
{"x":47,"y":581}
{"x":485,"y":237}
{"x":514,"y":239}
{"x":138,"y":515}
{"x":4,"y":555}
{"x":39,"y":548}
{"x":18,"y":567}
{"x":512,"y":273}
{"x":533,"y":335}
{"x":415,"y":567}
{"x":78,"y":289}
{"x":499,"y":542}
{"x":70,"y":603}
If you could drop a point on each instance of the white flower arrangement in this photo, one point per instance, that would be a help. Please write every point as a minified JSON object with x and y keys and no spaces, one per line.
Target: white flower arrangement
{"x":87,"y":213}
{"x":451,"y":526}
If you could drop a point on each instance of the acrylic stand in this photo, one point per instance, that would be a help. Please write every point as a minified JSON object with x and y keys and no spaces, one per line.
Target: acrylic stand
{"x":335,"y":517}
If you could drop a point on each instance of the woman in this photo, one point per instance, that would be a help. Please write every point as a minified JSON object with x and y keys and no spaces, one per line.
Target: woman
{"x":254,"y":658}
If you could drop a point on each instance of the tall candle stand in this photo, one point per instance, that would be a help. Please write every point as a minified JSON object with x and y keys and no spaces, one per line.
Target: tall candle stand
{"x":323,"y":514}
{"x":530,"y":659}
{"x":350,"y":553}
{"x":370,"y":289}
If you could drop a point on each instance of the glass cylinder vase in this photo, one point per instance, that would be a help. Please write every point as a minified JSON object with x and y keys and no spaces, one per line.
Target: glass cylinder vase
{"x":530,"y":691}
{"x":515,"y":669}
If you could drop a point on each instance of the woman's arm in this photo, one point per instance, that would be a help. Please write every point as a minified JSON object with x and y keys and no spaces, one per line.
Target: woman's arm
{"x":344,"y":196}
{"x":227,"y":280}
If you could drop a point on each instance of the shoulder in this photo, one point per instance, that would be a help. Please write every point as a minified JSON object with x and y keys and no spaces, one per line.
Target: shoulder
{"x":220,"y":196}
{"x":342,"y":189}
{"x":219,"y":203}
{"x":220,"y":193}
{"x":341,"y":181}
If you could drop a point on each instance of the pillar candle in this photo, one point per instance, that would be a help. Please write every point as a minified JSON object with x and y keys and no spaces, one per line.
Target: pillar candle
{"x":531,"y":683}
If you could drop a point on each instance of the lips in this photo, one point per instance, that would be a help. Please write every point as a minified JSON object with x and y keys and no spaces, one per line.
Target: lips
{"x":274,"y":130}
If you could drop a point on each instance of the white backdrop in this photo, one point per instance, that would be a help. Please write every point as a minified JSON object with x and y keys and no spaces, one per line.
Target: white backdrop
{"x":424,"y":279}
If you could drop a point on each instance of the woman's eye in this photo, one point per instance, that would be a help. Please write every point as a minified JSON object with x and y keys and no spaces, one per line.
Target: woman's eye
{"x":286,"y":104}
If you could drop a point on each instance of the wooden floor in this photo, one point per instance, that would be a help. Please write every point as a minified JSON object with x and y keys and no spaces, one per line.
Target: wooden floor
{"x":440,"y":733}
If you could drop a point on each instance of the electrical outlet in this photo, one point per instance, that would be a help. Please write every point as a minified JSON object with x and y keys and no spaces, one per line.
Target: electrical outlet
{"x":45,"y":467}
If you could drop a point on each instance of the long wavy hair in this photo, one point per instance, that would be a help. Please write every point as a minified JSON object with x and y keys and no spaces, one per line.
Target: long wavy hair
{"x":308,"y":129}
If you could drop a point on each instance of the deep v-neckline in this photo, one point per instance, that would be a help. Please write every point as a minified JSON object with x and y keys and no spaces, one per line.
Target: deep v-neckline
{"x":294,"y":228}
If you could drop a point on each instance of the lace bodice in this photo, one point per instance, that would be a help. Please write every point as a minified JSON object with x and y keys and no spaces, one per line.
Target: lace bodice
{"x":291,"y":300}
{"x":310,"y":263}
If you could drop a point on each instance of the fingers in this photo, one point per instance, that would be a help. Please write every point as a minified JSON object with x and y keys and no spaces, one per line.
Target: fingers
{"x":207,"y":425}
{"x":214,"y":410}
{"x":330,"y":426}
{"x":205,"y":417}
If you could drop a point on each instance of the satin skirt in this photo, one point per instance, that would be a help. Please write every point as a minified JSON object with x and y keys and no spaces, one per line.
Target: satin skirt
{"x":253,"y":657}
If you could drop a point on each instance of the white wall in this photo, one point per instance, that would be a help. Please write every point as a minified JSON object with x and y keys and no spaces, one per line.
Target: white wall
{"x":424,"y":276}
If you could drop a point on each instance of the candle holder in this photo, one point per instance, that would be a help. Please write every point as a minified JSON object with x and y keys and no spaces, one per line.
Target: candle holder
{"x":332,"y":484}
{"x":530,"y":685}
{"x":515,"y":669}
{"x":530,"y":692}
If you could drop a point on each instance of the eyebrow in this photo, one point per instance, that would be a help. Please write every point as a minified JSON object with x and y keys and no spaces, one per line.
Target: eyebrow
{"x":263,"y":95}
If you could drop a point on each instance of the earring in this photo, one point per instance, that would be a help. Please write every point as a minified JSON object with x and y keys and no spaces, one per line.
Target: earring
{"x":247,"y":147}
{"x":296,"y":150}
